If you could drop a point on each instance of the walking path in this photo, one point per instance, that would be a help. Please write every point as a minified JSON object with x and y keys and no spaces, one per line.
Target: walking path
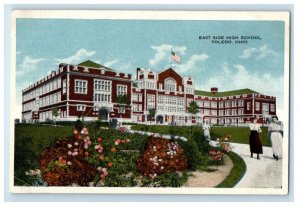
{"x":262,"y":173}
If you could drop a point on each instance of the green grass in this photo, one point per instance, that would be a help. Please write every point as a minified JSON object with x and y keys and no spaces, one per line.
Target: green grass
{"x":30,"y":140}
{"x":238,"y":134}
{"x":236,"y":173}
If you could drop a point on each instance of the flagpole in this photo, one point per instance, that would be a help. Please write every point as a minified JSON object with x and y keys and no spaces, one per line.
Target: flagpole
{"x":171,"y":57}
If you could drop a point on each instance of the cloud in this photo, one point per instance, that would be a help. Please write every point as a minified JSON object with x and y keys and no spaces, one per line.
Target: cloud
{"x":111,"y":63}
{"x":239,"y":77}
{"x":259,"y":53}
{"x":192,"y":62}
{"x":163,"y":52}
{"x":28,"y":65}
{"x":80,"y":55}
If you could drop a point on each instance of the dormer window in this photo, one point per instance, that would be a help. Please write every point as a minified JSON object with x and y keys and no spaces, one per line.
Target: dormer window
{"x":170,"y":85}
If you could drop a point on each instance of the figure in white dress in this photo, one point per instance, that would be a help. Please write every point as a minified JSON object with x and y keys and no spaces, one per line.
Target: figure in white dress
{"x":275,"y":132}
{"x":206,"y":129}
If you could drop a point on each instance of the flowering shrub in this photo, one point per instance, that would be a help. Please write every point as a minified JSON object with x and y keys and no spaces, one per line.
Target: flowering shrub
{"x":161,"y":156}
{"x":223,"y":147}
{"x":224,"y":143}
{"x":216,"y":156}
{"x":60,"y":164}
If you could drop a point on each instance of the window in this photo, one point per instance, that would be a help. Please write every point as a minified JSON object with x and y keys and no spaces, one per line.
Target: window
{"x":140,"y":98}
{"x":180,"y":101}
{"x":100,"y":97}
{"x":257,"y":106}
{"x":160,"y":99}
{"x":134,"y":97}
{"x":81,"y":107}
{"x":151,"y":98}
{"x":121,"y":90}
{"x":180,"y":89}
{"x":241,"y":103}
{"x":228,"y":104}
{"x":213,"y":104}
{"x":135,"y":107}
{"x":234,"y":112}
{"x":272,"y":107}
{"x":140,"y":107}
{"x":80,"y":86}
{"x":170,"y":85}
{"x":64,"y":87}
{"x":206,"y":104}
{"x":248,"y":106}
{"x":102,"y":85}
{"x":233,"y":103}
{"x":241,"y":111}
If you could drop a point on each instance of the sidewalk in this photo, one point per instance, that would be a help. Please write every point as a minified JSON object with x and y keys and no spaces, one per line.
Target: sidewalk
{"x":263,"y":173}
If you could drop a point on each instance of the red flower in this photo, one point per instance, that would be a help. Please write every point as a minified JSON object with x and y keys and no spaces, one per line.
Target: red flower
{"x":99,"y":139}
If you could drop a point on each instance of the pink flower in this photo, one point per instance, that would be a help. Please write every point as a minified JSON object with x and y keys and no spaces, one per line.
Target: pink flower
{"x":97,"y":146}
{"x":128,"y":140}
{"x":116,"y":143}
{"x":69,"y":153}
{"x":75,"y":131}
{"x":99,"y":169}
{"x":69,"y":163}
{"x":86,"y":146}
{"x":69,"y":145}
{"x":89,"y":142}
{"x":76,"y":143}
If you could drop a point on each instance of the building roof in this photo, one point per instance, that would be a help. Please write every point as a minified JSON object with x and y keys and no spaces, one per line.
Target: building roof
{"x":224,"y":94}
{"x":90,"y":63}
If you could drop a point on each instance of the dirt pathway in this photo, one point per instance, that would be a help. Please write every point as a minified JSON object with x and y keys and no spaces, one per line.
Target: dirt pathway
{"x":210,"y":179}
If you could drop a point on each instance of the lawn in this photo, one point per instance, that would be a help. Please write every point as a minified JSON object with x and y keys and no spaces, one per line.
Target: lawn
{"x":238,"y":134}
{"x":30,"y":140}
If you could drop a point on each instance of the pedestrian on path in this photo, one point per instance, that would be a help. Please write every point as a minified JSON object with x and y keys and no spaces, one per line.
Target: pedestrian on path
{"x":254,"y":140}
{"x":275,"y":132}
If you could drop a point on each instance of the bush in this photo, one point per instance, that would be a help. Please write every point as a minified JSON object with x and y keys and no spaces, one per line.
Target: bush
{"x":202,"y":142}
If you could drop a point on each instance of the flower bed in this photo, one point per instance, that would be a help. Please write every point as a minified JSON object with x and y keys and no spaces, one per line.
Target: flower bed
{"x":162,"y":156}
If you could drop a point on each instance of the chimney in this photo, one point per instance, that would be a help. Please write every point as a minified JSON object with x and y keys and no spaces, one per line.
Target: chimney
{"x":214,"y":90}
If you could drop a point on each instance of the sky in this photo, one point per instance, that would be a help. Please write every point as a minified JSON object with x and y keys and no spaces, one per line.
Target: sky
{"x":124,"y":45}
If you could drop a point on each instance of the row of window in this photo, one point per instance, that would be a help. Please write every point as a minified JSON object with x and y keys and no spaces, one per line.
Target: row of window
{"x":165,"y":99}
{"x":50,"y":86}
{"x":137,"y":108}
{"x":50,"y":99}
{"x":137,"y":97}
{"x":81,"y":87}
{"x":102,"y":85}
{"x":102,"y":97}
{"x":229,"y":112}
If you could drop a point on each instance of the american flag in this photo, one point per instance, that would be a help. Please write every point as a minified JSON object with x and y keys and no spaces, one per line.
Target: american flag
{"x":175,"y":57}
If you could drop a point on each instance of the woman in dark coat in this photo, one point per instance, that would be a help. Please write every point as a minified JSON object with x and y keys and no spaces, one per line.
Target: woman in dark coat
{"x":254,"y":140}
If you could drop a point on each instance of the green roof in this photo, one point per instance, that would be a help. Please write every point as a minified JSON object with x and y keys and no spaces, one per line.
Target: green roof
{"x":224,"y":94}
{"x":90,"y":63}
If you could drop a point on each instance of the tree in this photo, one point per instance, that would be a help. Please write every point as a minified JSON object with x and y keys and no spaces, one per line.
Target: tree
{"x":193,"y":109}
{"x":151,"y":114}
{"x":55,"y":114}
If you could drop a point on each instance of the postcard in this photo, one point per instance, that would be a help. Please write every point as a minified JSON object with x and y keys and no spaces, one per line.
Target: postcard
{"x":149,"y":102}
